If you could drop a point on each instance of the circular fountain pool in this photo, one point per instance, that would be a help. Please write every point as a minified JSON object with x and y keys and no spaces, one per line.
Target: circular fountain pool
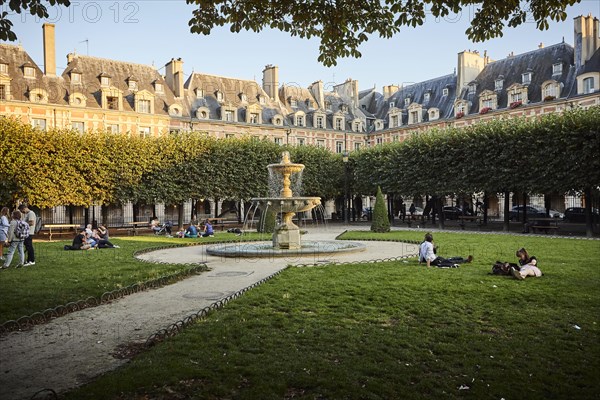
{"x":266,"y":249}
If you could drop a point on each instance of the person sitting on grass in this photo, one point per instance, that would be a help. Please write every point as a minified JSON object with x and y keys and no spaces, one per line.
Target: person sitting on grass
{"x":103,"y":238}
{"x":427,"y":255}
{"x":528,"y":265}
{"x":208,"y":229}
{"x":80,"y":241}
{"x":191,"y":231}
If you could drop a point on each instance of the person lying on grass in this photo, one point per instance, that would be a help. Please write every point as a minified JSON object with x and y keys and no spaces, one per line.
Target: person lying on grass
{"x":528,"y":265}
{"x":427,"y":255}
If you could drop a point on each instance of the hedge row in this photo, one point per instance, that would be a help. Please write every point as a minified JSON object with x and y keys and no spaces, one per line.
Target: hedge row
{"x":556,"y":153}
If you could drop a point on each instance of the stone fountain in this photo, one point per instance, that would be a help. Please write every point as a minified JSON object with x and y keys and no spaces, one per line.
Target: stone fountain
{"x":287,"y":234}
{"x":286,"y":237}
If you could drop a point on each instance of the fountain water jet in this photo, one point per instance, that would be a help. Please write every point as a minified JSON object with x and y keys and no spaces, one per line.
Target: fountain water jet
{"x":287,"y":234}
{"x":286,"y":237}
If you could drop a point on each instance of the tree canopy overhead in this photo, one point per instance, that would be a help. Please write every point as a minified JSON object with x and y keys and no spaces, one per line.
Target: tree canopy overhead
{"x":341,"y":25}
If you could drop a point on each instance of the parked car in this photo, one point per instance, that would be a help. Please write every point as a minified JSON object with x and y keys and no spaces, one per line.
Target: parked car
{"x":556,"y":214}
{"x":577,"y":214}
{"x":516,"y":213}
{"x":452,"y":212}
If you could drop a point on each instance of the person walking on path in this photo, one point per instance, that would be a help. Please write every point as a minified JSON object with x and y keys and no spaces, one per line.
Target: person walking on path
{"x":30,"y":218}
{"x":15,"y":242}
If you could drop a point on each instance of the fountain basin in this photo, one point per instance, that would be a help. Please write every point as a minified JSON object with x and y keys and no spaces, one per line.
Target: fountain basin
{"x":266,"y":249}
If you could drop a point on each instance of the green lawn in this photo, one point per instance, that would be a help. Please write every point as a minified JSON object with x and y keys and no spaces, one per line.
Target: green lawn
{"x":60,"y":276}
{"x":392,"y":330}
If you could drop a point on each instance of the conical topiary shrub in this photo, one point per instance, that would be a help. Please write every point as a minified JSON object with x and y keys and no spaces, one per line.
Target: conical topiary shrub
{"x":381,"y":222}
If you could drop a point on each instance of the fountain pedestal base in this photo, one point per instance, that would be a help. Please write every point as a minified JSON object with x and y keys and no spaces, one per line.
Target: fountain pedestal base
{"x":287,"y":235}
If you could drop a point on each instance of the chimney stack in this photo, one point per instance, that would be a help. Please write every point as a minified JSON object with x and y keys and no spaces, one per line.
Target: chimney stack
{"x":174,"y":76}
{"x":49,"y":50}
{"x":586,"y":42}
{"x":271,"y":80}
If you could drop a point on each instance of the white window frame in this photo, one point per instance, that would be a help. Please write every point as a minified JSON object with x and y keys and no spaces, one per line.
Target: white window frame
{"x":320,"y":122}
{"x":498,"y":84}
{"x":112,"y":128}
{"x":104,"y":81}
{"x":144,"y":106}
{"x":589,"y":85}
{"x":557,"y":68}
{"x":29,"y":72}
{"x":133,"y":85}
{"x":300,"y":120}
{"x":3,"y":68}
{"x":339,"y":147}
{"x":39,"y":123}
{"x":78,"y":126}
{"x":445,"y":92}
{"x":427,"y":96}
{"x":144,"y":131}
{"x":407,"y":101}
{"x":526,"y":78}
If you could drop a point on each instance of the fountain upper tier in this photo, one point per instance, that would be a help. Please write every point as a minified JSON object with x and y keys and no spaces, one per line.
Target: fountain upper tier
{"x":286,"y":168}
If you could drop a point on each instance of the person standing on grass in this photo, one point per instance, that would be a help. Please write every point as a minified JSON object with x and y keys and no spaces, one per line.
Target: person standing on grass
{"x":4,"y":224}
{"x":528,"y":265}
{"x":15,"y":243}
{"x":30,"y":218}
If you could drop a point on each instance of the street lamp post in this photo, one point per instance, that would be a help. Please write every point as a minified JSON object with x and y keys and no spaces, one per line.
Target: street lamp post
{"x":346,"y":199}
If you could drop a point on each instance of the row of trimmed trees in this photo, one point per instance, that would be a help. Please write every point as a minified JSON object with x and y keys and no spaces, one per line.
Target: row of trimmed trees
{"x":556,"y":153}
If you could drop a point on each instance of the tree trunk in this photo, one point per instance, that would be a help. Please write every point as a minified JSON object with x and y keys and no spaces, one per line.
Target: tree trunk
{"x":506,"y":211}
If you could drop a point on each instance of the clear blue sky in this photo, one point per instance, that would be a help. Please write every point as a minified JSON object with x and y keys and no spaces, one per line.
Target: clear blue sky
{"x":154,"y":31}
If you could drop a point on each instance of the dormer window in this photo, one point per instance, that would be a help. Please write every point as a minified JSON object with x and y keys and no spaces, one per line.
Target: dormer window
{"x":328,"y":105}
{"x":392,"y":104}
{"x":557,"y":69}
{"x":407,"y":101}
{"x":3,"y":68}
{"x":472,"y":88}
{"x":445,"y":92}
{"x":262,"y":99}
{"x":300,"y":120}
{"x":427,"y":96}
{"x":294,"y":102}
{"x":133,"y":85}
{"x":498,"y":84}
{"x":75,"y":77}
{"x":344,"y":108}
{"x":219,"y":95}
{"x":588,"y":85}
{"x":199,"y":93}
{"x":29,"y":72}
{"x":339,"y":123}
{"x":104,"y":80}
{"x":3,"y":92}
{"x":320,"y":122}
{"x":158,"y":88}
{"x":243,"y":98}
{"x":526,"y":78}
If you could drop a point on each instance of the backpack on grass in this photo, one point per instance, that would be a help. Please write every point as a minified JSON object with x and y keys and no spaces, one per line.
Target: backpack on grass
{"x":22,"y":230}
{"x":503,"y":268}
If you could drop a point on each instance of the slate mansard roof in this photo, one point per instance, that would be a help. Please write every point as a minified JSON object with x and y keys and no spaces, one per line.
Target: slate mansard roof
{"x":538,"y":62}
{"x":232,"y":90}
{"x":17,"y":59}
{"x":417,"y":93}
{"x":119,"y":72}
